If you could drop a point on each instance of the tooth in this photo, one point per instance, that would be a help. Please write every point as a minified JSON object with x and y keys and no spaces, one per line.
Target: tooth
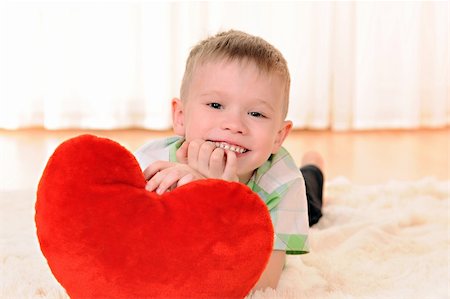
{"x":229,"y":147}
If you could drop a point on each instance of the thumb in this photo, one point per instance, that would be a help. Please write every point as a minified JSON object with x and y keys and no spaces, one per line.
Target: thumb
{"x":182,"y":153}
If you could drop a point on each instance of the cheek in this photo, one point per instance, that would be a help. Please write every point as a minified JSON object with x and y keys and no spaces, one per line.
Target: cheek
{"x":264,"y":147}
{"x":197,"y":129}
{"x":267,"y":135}
{"x":190,"y":118}
{"x":267,"y":142}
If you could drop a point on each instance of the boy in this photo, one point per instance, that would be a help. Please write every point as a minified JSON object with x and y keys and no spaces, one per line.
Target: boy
{"x":231,"y":121}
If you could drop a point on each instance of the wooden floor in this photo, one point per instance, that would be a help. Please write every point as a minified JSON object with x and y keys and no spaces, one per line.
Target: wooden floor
{"x":363,"y":157}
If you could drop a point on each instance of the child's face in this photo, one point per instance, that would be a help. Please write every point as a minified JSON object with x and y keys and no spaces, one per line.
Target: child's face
{"x":235,"y":103}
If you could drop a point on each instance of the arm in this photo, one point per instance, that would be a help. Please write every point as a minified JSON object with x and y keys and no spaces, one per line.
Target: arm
{"x":164,"y":176}
{"x":226,"y":169}
{"x":272,"y":273}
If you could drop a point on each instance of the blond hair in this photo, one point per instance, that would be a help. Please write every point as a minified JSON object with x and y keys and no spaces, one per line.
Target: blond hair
{"x":238,"y":45}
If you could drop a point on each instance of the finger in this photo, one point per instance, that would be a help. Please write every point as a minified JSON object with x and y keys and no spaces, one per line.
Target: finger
{"x":192,"y":155}
{"x":230,"y":172}
{"x":217,"y":163}
{"x":154,"y":182}
{"x":168,"y":183}
{"x":204,"y":157}
{"x":156,"y":167}
{"x":186,"y":179}
{"x":164,"y":180}
{"x":182,"y":153}
{"x":193,"y":149}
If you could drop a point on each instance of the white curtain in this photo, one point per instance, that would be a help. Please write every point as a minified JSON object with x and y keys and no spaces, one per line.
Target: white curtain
{"x":106,"y":65}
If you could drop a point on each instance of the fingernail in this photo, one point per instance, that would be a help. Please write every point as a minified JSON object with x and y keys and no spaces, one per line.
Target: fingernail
{"x":149,"y":187}
{"x":159,"y":191}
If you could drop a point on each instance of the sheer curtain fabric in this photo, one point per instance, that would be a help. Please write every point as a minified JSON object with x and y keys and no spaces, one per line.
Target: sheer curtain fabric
{"x":108,"y":65}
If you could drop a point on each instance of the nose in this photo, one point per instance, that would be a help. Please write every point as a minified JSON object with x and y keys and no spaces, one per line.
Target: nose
{"x":234,"y":123}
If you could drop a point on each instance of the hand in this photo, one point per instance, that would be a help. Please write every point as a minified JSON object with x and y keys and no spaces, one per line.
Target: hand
{"x":209,"y":160}
{"x":164,"y":176}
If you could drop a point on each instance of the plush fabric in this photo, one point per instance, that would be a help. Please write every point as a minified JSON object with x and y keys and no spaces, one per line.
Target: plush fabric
{"x":374,"y":241}
{"x":105,"y":236}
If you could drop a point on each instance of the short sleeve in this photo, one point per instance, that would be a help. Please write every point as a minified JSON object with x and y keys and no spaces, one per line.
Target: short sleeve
{"x":158,"y":149}
{"x":290,"y":220}
{"x":281,"y":186}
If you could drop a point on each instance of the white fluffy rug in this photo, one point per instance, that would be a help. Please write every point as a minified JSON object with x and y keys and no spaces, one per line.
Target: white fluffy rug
{"x":385,"y":241}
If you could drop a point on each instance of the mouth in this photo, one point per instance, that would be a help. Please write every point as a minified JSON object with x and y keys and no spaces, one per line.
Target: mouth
{"x":230,"y":147}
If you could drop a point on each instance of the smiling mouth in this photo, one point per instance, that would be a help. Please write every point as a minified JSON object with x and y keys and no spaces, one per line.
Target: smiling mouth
{"x":229,"y":147}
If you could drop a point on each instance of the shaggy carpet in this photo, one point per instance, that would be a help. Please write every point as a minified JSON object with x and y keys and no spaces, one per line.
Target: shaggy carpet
{"x":377,"y":241}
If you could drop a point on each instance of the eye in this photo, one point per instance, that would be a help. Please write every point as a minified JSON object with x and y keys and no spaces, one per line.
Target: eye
{"x":215,"y":105}
{"x":256,"y":114}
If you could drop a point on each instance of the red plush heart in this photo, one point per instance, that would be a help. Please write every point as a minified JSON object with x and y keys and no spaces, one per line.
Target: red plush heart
{"x":105,"y":236}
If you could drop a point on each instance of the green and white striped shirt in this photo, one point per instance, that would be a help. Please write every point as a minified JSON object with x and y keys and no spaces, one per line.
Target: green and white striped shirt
{"x":278,"y":182}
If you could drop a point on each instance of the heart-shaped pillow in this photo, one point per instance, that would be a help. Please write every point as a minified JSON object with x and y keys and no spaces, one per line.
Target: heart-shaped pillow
{"x":105,"y":236}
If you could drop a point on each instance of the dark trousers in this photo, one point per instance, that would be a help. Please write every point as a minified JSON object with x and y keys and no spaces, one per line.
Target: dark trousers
{"x":314,"y":188}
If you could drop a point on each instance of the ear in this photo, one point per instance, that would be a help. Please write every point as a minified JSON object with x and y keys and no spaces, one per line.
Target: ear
{"x":281,"y":135}
{"x":178,"y":117}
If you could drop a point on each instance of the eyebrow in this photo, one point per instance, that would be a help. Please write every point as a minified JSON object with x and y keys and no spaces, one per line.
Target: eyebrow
{"x":266,"y":103}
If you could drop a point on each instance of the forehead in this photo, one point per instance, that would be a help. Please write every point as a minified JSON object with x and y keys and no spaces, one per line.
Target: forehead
{"x":241,"y":77}
{"x":226,"y":72}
